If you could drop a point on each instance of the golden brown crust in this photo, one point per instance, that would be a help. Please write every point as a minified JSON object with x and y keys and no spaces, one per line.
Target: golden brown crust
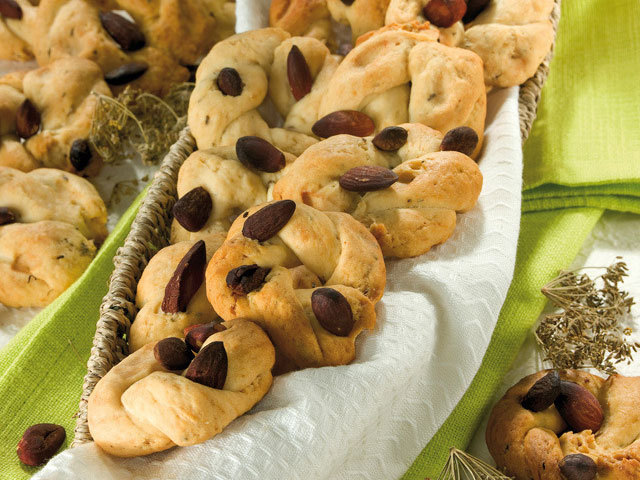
{"x":335,"y":250}
{"x":139,"y":408}
{"x":528,"y":445}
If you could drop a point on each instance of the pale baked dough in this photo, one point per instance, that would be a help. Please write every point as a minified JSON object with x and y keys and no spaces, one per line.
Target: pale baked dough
{"x":312,"y":250}
{"x":528,"y":445}
{"x":407,"y":218}
{"x":16,"y":34}
{"x":139,"y":408}
{"x":151,"y":323}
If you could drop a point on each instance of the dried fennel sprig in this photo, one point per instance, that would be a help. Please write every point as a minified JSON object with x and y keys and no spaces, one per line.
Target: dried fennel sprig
{"x":587,"y":332}
{"x":462,"y":466}
{"x":139,"y":121}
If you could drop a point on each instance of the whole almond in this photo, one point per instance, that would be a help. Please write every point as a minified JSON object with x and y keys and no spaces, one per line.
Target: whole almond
{"x":197,"y":335}
{"x":350,"y":122}
{"x":391,"y":139}
{"x":348,"y":3}
{"x":80,"y":154}
{"x":210,"y":366}
{"x":7,"y":216}
{"x":269,"y":220}
{"x":123,"y":31}
{"x":217,"y":326}
{"x":298,"y":73}
{"x":543,"y":393}
{"x":126,"y":73}
{"x":172,"y":353}
{"x":27,"y":120}
{"x":186,"y":279}
{"x":460,"y":139}
{"x":257,"y":153}
{"x":332,"y":311}
{"x":192,"y":210}
{"x":229,"y":82}
{"x":579,"y":407}
{"x":39,"y":443}
{"x":444,"y":13}
{"x":474,"y":7}
{"x":578,"y":467}
{"x":246,"y":278}
{"x":10,"y":9}
{"x":368,"y":178}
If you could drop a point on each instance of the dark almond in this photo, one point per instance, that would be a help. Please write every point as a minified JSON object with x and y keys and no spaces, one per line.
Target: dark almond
{"x":350,"y":122}
{"x":229,"y":82}
{"x":172,"y":353}
{"x":10,"y":9}
{"x":7,"y":216}
{"x":210,"y":366}
{"x":80,"y":154}
{"x":460,"y":139}
{"x":197,"y":335}
{"x":474,"y":7}
{"x":348,"y":3}
{"x":444,"y":13}
{"x":543,"y":393}
{"x":192,"y":210}
{"x":578,"y":467}
{"x":186,"y":279}
{"x":39,"y":443}
{"x":123,"y":31}
{"x":246,"y":278}
{"x":579,"y":407}
{"x":391,"y":139}
{"x":27,"y":120}
{"x":332,"y":311}
{"x":126,"y":73}
{"x":298,"y":73}
{"x":269,"y":220}
{"x":217,"y":326}
{"x":368,"y":178}
{"x":257,"y":153}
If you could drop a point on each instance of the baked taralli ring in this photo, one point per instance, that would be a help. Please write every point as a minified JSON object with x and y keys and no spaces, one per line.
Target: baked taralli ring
{"x":309,"y":278}
{"x":555,"y":425}
{"x":144,"y":405}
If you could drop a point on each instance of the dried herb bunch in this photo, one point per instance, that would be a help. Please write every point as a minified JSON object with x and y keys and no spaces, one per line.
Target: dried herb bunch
{"x":587,"y":332}
{"x":462,"y":466}
{"x":139,"y":122}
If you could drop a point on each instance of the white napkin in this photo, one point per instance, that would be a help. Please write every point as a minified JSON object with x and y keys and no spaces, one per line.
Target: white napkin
{"x":372,"y":418}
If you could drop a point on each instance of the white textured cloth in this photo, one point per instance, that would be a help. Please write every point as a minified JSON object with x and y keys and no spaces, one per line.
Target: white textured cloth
{"x":372,"y":418}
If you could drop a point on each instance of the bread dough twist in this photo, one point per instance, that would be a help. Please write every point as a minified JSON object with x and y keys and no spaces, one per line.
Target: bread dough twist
{"x":139,"y":407}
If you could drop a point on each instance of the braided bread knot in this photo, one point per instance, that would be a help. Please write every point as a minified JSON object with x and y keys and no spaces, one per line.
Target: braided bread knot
{"x":310,"y":278}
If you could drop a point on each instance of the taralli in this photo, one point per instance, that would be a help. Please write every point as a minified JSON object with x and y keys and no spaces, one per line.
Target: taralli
{"x":243,"y":71}
{"x":50,"y":222}
{"x":400,"y":74}
{"x":144,"y":405}
{"x":153,"y":322}
{"x":309,"y":278}
{"x":568,"y":425}
{"x":230,"y":186}
{"x":313,"y":18}
{"x":51,"y":109}
{"x":75,"y":27}
{"x":17,"y":20}
{"x":512,"y":37}
{"x":408,"y":213}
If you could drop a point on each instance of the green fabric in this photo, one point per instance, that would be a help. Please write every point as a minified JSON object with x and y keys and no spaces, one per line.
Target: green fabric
{"x":583,"y":156}
{"x":548,"y":242}
{"x":44,"y":365}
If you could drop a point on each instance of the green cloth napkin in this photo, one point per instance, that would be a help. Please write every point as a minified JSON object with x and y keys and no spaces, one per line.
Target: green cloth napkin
{"x":44,"y":365}
{"x":582,"y":156}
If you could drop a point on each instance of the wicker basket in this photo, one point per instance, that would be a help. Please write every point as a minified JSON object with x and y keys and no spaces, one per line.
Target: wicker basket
{"x":150,"y":232}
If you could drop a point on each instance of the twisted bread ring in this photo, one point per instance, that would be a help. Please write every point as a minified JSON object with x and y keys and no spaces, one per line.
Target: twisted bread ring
{"x":408,"y":217}
{"x":399,"y":74}
{"x":531,"y":444}
{"x":313,"y":249}
{"x":259,"y":60}
{"x":140,"y":407}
